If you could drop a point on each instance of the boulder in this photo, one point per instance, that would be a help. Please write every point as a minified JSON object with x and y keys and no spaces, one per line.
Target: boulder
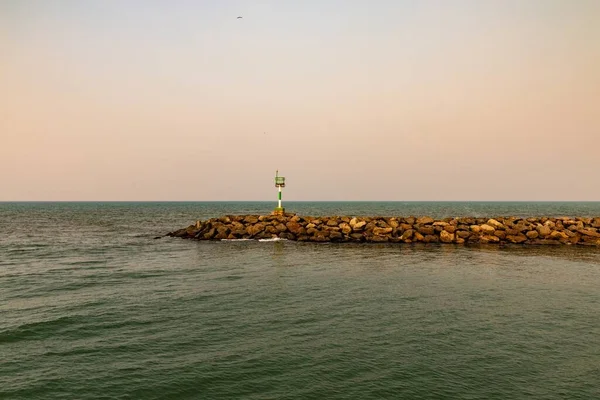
{"x":487,"y":229}
{"x":382,"y":231}
{"x":425,"y":220}
{"x":345,"y":228}
{"x":357,"y":237}
{"x":450,"y":228}
{"x":495,"y":224}
{"x":446,"y":236}
{"x":393,"y":222}
{"x":408,"y":234}
{"x":295,"y":228}
{"x":378,"y":238}
{"x":500,"y":234}
{"x":222,"y":229}
{"x":210,"y":234}
{"x":520,"y":238}
{"x":532,"y":234}
{"x":589,"y":232}
{"x":543,"y":230}
{"x":320,"y":237}
{"x":251,"y":219}
{"x":332,"y":222}
{"x":489,"y":239}
{"x":312,"y":231}
{"x":281,"y":227}
{"x":336,"y":236}
{"x":359,"y":226}
{"x":426,"y":230}
{"x":557,"y":235}
{"x":418,"y":237}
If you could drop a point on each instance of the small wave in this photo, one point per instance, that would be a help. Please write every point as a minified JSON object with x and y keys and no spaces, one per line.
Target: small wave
{"x":276,"y":239}
{"x":237,"y":240}
{"x":38,"y":329}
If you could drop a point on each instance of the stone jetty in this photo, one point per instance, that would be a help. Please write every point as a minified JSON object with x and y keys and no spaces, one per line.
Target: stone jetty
{"x":466,"y":230}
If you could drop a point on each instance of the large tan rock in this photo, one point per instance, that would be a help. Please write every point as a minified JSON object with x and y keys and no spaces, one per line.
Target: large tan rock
{"x":543,"y":230}
{"x":450,"y":228}
{"x":332,"y":222}
{"x":487,"y":229}
{"x":336,"y":236}
{"x":382,"y":231}
{"x":378,"y":238}
{"x":408,"y":234}
{"x":532,"y":234}
{"x":359,"y":226}
{"x":558,"y":235}
{"x":345,"y":228}
{"x":446,"y":237}
{"x":463,"y":234}
{"x":426,"y":230}
{"x":520,"y":238}
{"x":475,"y":228}
{"x":489,"y":239}
{"x":495,"y":224}
{"x":312,"y":231}
{"x":251,"y":219}
{"x":393,"y":222}
{"x":281,"y":227}
{"x":357,"y":236}
{"x":295,"y":228}
{"x":425,"y":220}
{"x":410,"y":220}
{"x":210,"y":234}
{"x":589,"y":232}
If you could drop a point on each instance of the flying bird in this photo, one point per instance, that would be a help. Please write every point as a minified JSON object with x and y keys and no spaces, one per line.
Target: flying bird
{"x":239,"y":18}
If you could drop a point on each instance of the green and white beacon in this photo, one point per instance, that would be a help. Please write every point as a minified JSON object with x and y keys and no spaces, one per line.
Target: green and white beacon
{"x":279,"y":183}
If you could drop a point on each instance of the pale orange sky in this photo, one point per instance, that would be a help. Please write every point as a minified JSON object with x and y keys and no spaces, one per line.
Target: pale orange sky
{"x":350,"y":100}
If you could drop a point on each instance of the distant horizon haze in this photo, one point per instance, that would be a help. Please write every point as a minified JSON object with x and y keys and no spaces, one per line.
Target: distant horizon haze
{"x":350,"y":100}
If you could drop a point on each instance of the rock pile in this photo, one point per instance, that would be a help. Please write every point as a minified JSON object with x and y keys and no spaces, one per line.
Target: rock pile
{"x":501,"y":230}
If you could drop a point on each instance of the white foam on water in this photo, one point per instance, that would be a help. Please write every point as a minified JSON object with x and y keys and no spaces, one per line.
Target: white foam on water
{"x":236,"y":240}
{"x":276,"y":239}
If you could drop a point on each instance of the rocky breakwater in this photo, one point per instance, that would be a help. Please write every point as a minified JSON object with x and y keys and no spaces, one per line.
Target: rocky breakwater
{"x":500,"y":230}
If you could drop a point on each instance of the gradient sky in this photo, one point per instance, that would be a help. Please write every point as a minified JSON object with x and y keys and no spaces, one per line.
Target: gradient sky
{"x":350,"y":100}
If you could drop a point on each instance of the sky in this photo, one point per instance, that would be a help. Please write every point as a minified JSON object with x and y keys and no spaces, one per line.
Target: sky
{"x":350,"y":100}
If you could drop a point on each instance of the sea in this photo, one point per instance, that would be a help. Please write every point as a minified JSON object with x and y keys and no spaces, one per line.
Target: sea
{"x":94,"y":306}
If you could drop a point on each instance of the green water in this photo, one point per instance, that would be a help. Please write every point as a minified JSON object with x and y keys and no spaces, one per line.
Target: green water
{"x":92,"y":307}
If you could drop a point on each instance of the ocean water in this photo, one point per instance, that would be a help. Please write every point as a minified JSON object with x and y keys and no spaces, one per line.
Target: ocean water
{"x":93,"y":307}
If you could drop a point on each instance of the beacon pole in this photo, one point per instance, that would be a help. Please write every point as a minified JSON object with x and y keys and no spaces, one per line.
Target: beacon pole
{"x":279,"y":183}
